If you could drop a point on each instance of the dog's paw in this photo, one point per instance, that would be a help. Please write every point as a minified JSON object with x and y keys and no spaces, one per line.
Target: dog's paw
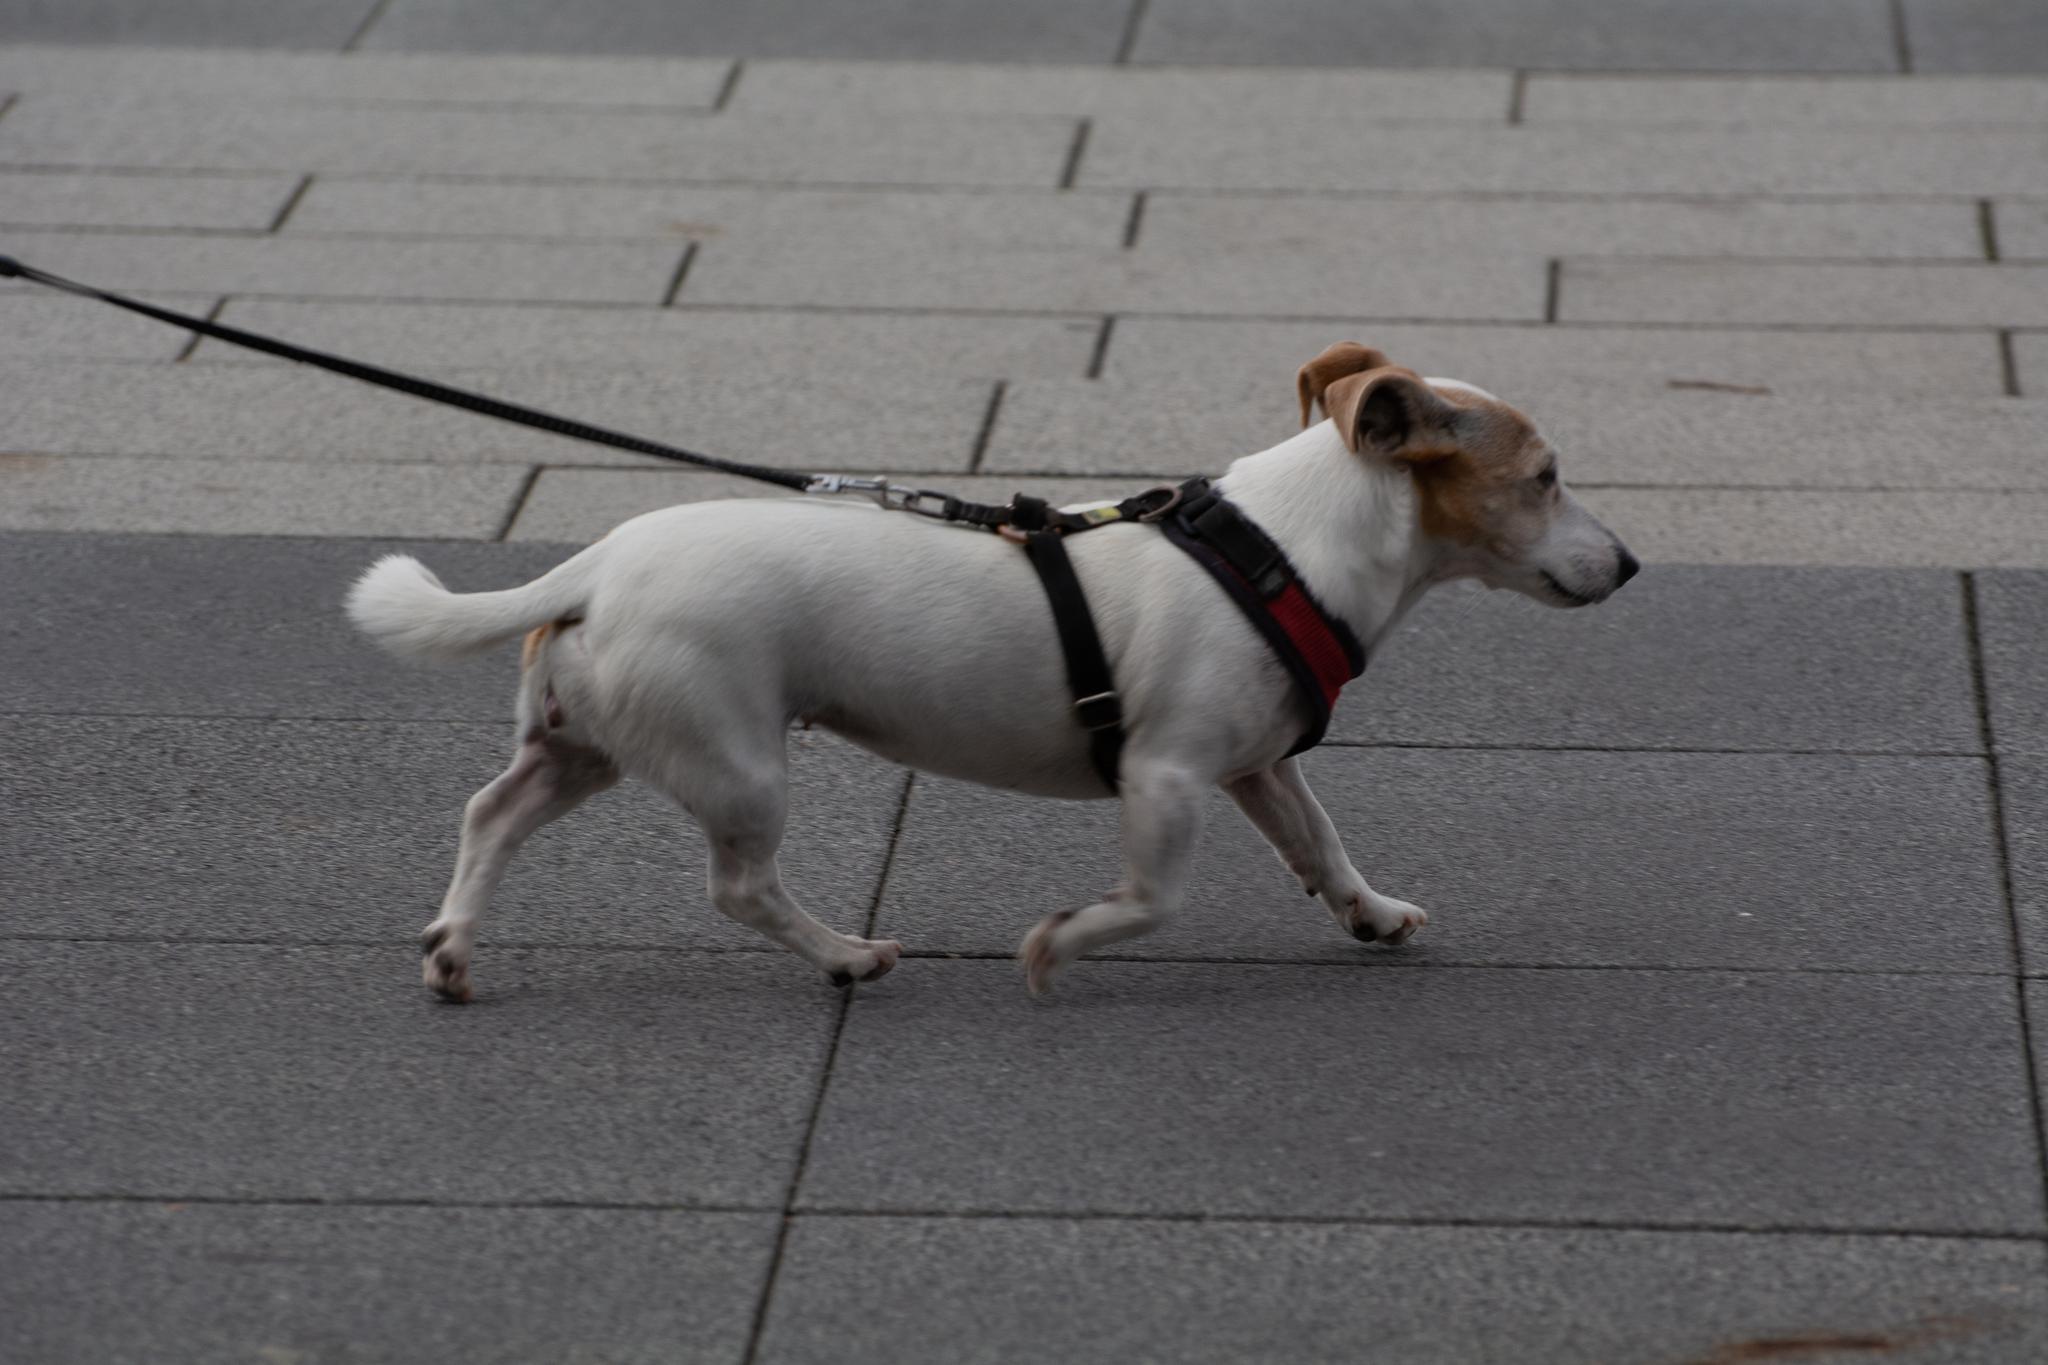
{"x":1041,"y":954}
{"x":1372,"y":918}
{"x":870,"y":961}
{"x":444,"y":963}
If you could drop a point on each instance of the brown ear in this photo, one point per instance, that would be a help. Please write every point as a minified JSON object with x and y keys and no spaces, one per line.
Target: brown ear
{"x":1391,"y":412}
{"x":1346,"y":357}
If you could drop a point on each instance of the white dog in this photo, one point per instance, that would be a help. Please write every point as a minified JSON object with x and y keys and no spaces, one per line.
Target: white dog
{"x":682,"y":647}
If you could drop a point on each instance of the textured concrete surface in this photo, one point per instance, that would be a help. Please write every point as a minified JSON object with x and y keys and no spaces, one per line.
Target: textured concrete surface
{"x":1714,"y":1047}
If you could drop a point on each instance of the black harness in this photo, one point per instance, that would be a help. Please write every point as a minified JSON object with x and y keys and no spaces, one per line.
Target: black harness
{"x":1319,"y":652}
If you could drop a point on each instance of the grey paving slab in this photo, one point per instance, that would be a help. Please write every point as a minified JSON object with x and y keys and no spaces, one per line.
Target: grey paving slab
{"x":582,"y":504}
{"x":974,"y":30}
{"x":1356,"y":156}
{"x":978,"y":218}
{"x":388,"y":77}
{"x":1889,"y":295}
{"x":1154,"y":92}
{"x":2023,"y":787}
{"x":1680,"y":438}
{"x":329,"y":1074}
{"x":859,"y":344}
{"x":242,"y":23}
{"x":361,"y":267}
{"x":1521,"y":363}
{"x":1238,"y":1292}
{"x":1976,"y":35}
{"x":1746,"y":35}
{"x":1832,"y":527}
{"x":2021,"y":226}
{"x":141,"y":201}
{"x":241,"y":498}
{"x":1714,"y":658}
{"x":207,"y":626}
{"x":211,"y":829}
{"x":2011,"y":608}
{"x":381,"y":139}
{"x":237,"y":412}
{"x":1754,"y":1099}
{"x":1330,"y":281}
{"x":51,"y":327}
{"x":1579,"y":859}
{"x":199,"y":1282}
{"x":1916,"y":101}
{"x":2030,"y":362}
{"x":1488,"y":225}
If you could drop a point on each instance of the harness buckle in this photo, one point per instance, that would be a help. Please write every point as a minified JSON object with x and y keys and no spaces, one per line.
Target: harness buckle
{"x":1102,"y":711}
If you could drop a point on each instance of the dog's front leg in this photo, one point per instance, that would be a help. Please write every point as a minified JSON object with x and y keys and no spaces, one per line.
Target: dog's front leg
{"x":1162,"y":818}
{"x":1279,"y":804}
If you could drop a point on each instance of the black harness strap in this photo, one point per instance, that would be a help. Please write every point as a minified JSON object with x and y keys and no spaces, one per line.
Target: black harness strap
{"x":1097,"y":707}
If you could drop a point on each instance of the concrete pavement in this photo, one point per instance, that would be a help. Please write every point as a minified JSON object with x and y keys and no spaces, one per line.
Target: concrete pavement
{"x":1721,"y":1044}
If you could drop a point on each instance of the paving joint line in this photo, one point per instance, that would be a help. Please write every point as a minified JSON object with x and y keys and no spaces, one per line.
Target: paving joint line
{"x":8,"y":103}
{"x":1100,"y":354}
{"x":988,"y":426}
{"x":520,"y":495}
{"x":1137,"y":216}
{"x":675,"y":281}
{"x":362,"y":30}
{"x":374,"y":1202}
{"x":1517,"y":95}
{"x":1973,"y":635}
{"x":1987,"y":228}
{"x":291,"y":202}
{"x":192,"y":342}
{"x":727,"y":86}
{"x":2009,"y":363}
{"x":1902,"y":43}
{"x":1127,"y":41}
{"x":1082,"y":128}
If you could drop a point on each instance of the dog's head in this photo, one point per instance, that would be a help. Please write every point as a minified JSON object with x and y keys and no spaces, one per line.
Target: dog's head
{"x":1488,"y":491}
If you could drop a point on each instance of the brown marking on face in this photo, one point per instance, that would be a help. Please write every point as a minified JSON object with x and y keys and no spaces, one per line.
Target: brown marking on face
{"x":1475,"y":459}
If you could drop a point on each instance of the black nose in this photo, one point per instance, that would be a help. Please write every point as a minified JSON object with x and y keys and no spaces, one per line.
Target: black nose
{"x":1627,"y":566}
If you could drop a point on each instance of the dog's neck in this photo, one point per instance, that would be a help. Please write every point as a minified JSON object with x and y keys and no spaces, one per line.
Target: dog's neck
{"x":1347,"y":522}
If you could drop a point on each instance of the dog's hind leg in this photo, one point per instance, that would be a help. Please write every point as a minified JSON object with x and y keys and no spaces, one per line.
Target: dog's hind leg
{"x":549,"y":777}
{"x":1162,"y":819}
{"x":1280,"y":805}
{"x":741,"y":801}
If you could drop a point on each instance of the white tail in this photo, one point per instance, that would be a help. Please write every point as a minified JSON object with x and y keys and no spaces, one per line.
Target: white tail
{"x":401,"y":605}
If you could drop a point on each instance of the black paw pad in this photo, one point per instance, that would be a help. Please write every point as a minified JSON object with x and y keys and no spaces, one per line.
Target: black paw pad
{"x":842,"y":979}
{"x":1364,"y":932}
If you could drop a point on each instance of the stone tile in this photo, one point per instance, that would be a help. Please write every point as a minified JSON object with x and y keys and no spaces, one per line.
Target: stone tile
{"x":2021,"y":226}
{"x":243,"y":23}
{"x":204,"y":626}
{"x":141,"y":201}
{"x":1577,"y":859}
{"x":127,"y":824}
{"x":1687,"y":658}
{"x":1917,"y":101}
{"x":329,"y":1074}
{"x":1743,"y":35}
{"x":1847,"y":529}
{"x":1157,"y":93}
{"x":969,"y":30}
{"x":914,"y":275}
{"x":859,"y":344}
{"x":1525,"y":363}
{"x":242,"y":498}
{"x":1356,"y":156}
{"x":1468,"y":226}
{"x":46,"y":326}
{"x":125,"y":1281}
{"x":1976,"y":35}
{"x":1238,"y":1292}
{"x":993,"y":218}
{"x":362,"y":267}
{"x":2023,"y":787}
{"x":2010,"y":610}
{"x":1753,"y":292}
{"x":287,"y":413}
{"x":217,"y":135}
{"x":582,"y":504}
{"x":2030,"y":362}
{"x":1683,"y":438}
{"x":396,"y":77}
{"x":1759,"y":1099}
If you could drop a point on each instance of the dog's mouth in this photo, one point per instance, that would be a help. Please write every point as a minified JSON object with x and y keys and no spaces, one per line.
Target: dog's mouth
{"x":1564,"y":594}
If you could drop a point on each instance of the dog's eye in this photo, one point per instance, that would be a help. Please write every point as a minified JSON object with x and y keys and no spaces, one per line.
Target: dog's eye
{"x":1548,"y":478}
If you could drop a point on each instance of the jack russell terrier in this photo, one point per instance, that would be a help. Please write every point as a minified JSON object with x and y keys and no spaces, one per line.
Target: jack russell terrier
{"x":682,"y":646}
